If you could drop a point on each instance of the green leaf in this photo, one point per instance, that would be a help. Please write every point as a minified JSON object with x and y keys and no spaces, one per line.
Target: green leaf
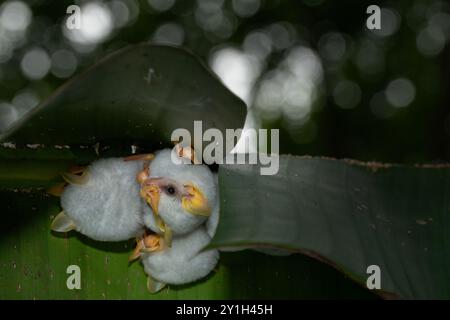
{"x":33,"y":264}
{"x":136,"y":95}
{"x":348,"y":214}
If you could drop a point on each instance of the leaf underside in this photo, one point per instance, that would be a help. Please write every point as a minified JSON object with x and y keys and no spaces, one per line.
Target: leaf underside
{"x":348,"y":214}
{"x":137,"y":95}
{"x":34,"y":260}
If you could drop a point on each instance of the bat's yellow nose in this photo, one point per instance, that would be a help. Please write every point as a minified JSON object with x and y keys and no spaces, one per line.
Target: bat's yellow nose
{"x":195,"y":202}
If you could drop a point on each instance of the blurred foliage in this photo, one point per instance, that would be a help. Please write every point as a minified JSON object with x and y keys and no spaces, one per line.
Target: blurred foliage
{"x":355,"y":108}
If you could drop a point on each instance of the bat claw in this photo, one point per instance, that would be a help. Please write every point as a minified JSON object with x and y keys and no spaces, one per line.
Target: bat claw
{"x":144,"y":156}
{"x":149,"y":244}
{"x":56,"y":190}
{"x":186,"y":153}
{"x":76,"y":179}
{"x":62,"y":223}
{"x":154,"y":286}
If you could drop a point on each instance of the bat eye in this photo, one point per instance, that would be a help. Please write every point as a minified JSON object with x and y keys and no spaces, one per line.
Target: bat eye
{"x":170,"y":190}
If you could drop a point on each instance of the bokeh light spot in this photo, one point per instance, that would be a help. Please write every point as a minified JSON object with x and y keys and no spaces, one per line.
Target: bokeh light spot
{"x":96,"y":24}
{"x":120,"y":12}
{"x":390,"y":23}
{"x":332,"y":46}
{"x":35,"y":64}
{"x":161,"y":5}
{"x":237,"y":70}
{"x":64,"y":63}
{"x":258,"y":44}
{"x":25,"y":100}
{"x":347,"y":94}
{"x":400,"y":92}
{"x":8,"y":114}
{"x":430,"y":41}
{"x":246,"y":8}
{"x":292,"y":88}
{"x":15,"y":16}
{"x":169,"y":33}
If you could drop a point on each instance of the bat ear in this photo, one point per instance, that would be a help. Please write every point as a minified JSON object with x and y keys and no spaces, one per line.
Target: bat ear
{"x":76,"y":179}
{"x":56,"y":190}
{"x":153,"y":285}
{"x":187,"y":152}
{"x":194,"y":201}
{"x":62,"y":223}
{"x":144,"y":174}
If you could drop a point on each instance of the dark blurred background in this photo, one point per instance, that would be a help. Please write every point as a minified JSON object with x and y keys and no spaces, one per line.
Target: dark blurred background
{"x":308,"y":67}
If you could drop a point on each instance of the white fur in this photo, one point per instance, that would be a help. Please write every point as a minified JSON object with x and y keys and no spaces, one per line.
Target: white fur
{"x":108,"y":207}
{"x":170,"y":209}
{"x":183,"y":262}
